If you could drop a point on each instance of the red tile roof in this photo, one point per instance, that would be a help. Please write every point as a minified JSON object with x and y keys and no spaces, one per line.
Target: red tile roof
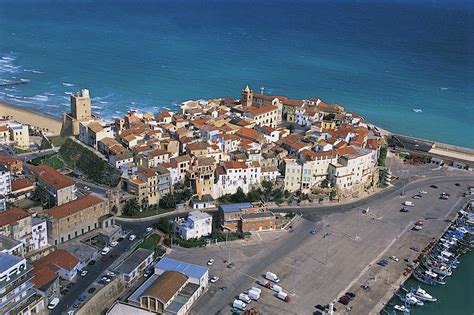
{"x":52,"y":177}
{"x":57,"y":259}
{"x":21,"y":183}
{"x":235,"y":165}
{"x":12,"y":215}
{"x":74,"y":206}
{"x":256,"y":111}
{"x":44,"y":275}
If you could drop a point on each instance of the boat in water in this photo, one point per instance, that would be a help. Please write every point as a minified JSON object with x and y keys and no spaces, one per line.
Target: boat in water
{"x":411,"y":299}
{"x":428,"y":277}
{"x":423,"y":295}
{"x":401,"y":308}
{"x":417,"y":110}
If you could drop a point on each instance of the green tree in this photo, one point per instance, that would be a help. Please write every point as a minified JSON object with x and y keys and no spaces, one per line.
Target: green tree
{"x":168,"y":201}
{"x":239,"y":196}
{"x":165,"y":225}
{"x":382,"y":156}
{"x":131,"y":207}
{"x":254,"y":195}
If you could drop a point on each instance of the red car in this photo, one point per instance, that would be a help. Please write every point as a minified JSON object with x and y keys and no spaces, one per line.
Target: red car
{"x":103,"y":258}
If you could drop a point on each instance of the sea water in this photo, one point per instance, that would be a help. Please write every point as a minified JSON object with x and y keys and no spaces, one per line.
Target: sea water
{"x":380,"y":58}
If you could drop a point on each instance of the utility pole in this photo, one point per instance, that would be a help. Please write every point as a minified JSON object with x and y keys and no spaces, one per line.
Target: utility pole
{"x":356,"y":226}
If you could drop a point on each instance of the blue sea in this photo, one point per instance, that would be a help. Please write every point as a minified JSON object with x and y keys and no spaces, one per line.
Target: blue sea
{"x":380,"y":58}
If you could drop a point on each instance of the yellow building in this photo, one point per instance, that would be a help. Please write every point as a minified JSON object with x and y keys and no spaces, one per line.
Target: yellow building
{"x":19,"y":135}
{"x":328,"y":124}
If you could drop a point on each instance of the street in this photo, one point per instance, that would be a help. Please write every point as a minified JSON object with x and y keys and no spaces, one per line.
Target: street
{"x":83,"y":283}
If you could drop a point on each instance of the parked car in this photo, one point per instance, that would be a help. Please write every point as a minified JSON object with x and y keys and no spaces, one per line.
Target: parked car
{"x":344,"y":300}
{"x":92,"y":262}
{"x":91,"y":290}
{"x":434,"y":186}
{"x":408,"y":203}
{"x":244,"y":298}
{"x":70,"y":285}
{"x":457,"y":184}
{"x":394,"y":258}
{"x":404,"y":209}
{"x":54,"y":302}
{"x":351,"y":295}
{"x":210,"y":262}
{"x":416,"y":197}
{"x":105,"y":251}
{"x":231,"y":265}
{"x":283,"y":296}
{"x":84,"y":273}
{"x":214,"y":279}
{"x":132,"y":237}
{"x":422,"y":192}
{"x":82,"y":298}
{"x":64,"y":291}
{"x":76,"y":305}
{"x":149,"y":229}
{"x":113,"y":244}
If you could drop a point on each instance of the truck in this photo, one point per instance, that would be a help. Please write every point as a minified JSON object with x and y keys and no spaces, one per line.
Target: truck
{"x":256,"y":289}
{"x":276,"y":288}
{"x":272,"y":277}
{"x":283,"y":296}
{"x":254,"y":295}
{"x":239,"y":305}
{"x":264,"y":283}
{"x":244,"y":298}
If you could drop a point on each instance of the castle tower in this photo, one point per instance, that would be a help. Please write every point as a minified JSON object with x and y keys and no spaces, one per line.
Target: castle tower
{"x":81,"y":105}
{"x":247,"y":97}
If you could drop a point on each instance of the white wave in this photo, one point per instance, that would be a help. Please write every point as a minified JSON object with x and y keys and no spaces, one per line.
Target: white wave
{"x":37,"y":72}
{"x":42,"y":98}
{"x":65,"y":104}
{"x":8,"y":58}
{"x":24,"y":101}
{"x":67,"y":84}
{"x":68,"y":93}
{"x":51,"y":105}
{"x":25,"y":80}
{"x":11,"y":89}
{"x":10,"y":95}
{"x":102,"y":102}
{"x":50,"y":94}
{"x":96,"y":107}
{"x":443,"y":88}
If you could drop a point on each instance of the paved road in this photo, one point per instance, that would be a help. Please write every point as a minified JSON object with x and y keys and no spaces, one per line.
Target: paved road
{"x":83,"y":283}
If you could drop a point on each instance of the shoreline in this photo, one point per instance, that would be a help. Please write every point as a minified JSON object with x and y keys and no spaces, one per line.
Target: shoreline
{"x":30,"y":117}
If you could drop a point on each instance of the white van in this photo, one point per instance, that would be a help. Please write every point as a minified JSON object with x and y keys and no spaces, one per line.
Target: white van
{"x":239,"y":305}
{"x":53,"y":303}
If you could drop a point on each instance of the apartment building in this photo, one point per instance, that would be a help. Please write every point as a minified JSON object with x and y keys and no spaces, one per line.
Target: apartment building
{"x":17,"y":294}
{"x":16,"y":224}
{"x":59,"y":188}
{"x":5,"y":181}
{"x":93,"y":131}
{"x":246,"y":217}
{"x":308,"y":170}
{"x":201,"y":174}
{"x":75,"y":218}
{"x":14,"y":166}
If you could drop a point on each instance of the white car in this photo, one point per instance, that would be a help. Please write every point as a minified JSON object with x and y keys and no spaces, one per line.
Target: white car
{"x":113,"y":244}
{"x":106,"y":279}
{"x":394,"y":258}
{"x":149,"y":229}
{"x":54,"y":302}
{"x":84,"y":273}
{"x":110,"y":274}
{"x":105,"y":251}
{"x":422,"y":192}
{"x":132,"y":237}
{"x":214,"y":279}
{"x":210,"y":262}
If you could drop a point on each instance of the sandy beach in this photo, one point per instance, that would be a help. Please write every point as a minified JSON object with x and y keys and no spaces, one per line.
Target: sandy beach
{"x":25,"y":116}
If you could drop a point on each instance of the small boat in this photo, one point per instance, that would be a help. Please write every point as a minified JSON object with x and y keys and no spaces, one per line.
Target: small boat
{"x":428,"y":277}
{"x":423,"y":295}
{"x":417,"y":110}
{"x":411,"y":299}
{"x":401,"y":308}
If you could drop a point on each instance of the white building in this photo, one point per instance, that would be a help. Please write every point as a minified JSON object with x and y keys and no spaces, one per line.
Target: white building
{"x":39,"y":237}
{"x":5,"y":181}
{"x":196,"y":225}
{"x":92,"y":131}
{"x":19,"y":135}
{"x":354,"y":167}
{"x":234,"y":174}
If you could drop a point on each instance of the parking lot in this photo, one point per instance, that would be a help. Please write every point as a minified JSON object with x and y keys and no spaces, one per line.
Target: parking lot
{"x":342,"y":255}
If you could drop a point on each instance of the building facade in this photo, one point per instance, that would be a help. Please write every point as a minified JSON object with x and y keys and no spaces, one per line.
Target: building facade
{"x":196,"y":225}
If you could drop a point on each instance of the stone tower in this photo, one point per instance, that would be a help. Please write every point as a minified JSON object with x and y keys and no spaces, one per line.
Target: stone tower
{"x":81,"y":105}
{"x":247,"y":97}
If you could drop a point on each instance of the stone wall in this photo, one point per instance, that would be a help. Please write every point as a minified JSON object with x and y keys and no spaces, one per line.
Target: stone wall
{"x":104,"y":298}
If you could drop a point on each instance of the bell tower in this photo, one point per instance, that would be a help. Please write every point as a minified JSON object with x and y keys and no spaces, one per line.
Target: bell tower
{"x":247,"y":97}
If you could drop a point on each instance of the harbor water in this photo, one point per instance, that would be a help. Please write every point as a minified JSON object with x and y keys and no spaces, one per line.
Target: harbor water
{"x":454,"y":298}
